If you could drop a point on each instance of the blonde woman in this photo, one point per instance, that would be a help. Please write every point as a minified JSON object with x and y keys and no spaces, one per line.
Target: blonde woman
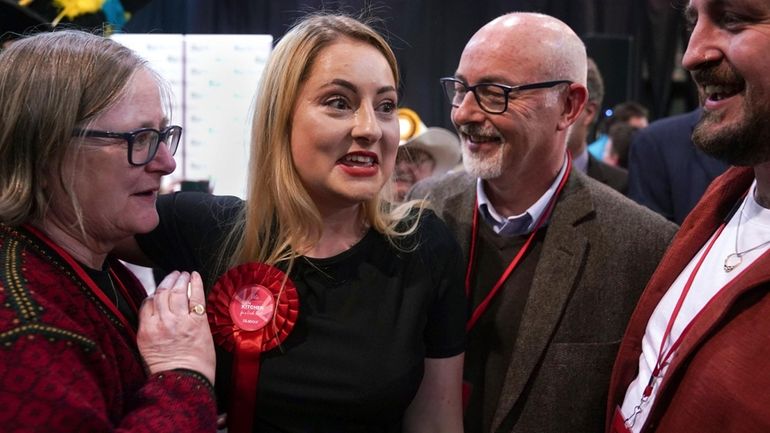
{"x":378,"y":344}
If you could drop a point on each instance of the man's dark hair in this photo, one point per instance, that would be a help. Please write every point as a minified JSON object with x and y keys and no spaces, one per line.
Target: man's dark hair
{"x":626,"y":110}
{"x":622,"y":113}
{"x":621,"y":134}
{"x":594,"y":83}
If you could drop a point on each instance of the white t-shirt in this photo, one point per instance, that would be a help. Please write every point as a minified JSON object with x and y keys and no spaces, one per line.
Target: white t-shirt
{"x":754,"y":230}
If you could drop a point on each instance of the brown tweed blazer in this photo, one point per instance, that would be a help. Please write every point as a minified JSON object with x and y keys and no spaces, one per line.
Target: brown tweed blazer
{"x":598,"y":253}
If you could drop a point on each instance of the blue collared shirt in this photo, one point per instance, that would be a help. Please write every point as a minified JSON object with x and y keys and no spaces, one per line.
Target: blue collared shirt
{"x":517,"y":224}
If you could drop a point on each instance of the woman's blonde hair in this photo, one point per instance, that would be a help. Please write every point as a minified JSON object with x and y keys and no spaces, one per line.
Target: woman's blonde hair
{"x":280,"y":217}
{"x":50,"y":85}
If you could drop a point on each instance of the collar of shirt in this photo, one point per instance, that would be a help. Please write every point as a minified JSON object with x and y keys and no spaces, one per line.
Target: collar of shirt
{"x":580,"y":162}
{"x":517,"y":224}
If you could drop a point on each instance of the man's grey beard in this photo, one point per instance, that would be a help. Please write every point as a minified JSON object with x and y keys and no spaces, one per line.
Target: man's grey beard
{"x":745,"y":144}
{"x":487,"y":167}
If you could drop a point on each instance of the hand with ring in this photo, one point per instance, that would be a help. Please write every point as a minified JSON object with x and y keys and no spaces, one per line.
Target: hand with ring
{"x":174,"y":330}
{"x":198,"y":309}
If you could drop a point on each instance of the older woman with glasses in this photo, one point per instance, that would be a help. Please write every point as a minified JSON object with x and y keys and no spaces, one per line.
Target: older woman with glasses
{"x":84,"y":142}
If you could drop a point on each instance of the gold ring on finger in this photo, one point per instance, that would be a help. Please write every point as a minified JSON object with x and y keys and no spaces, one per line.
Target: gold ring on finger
{"x":198,"y":309}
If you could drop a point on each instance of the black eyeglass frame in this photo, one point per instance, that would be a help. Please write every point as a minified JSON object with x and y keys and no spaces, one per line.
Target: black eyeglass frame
{"x":130,"y":138}
{"x":506,"y":90}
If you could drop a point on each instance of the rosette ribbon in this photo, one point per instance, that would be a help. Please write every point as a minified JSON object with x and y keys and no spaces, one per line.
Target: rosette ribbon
{"x":251,"y":309}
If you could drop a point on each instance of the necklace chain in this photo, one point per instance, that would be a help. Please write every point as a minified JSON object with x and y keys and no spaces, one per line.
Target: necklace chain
{"x":734,"y":259}
{"x":114,"y":290}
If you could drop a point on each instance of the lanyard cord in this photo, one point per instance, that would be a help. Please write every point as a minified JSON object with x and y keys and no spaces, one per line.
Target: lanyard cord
{"x":663,"y":357}
{"x":91,"y":284}
{"x":482,"y":307}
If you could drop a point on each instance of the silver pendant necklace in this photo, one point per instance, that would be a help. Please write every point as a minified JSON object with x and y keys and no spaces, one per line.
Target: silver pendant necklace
{"x":734,"y":259}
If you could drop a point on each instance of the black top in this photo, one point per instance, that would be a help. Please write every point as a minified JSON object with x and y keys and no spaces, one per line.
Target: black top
{"x":105,"y":282}
{"x":368,"y":317}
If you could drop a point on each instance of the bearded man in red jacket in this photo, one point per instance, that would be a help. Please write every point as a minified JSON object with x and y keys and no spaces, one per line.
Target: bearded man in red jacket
{"x":695,"y":355}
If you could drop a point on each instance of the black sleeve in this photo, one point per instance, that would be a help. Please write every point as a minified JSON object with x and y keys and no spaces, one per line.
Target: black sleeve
{"x":445,"y":329}
{"x":191,"y":234}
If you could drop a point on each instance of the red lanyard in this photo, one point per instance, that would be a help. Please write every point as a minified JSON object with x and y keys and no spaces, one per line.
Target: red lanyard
{"x":482,"y":307}
{"x":664,"y":357}
{"x":91,"y":284}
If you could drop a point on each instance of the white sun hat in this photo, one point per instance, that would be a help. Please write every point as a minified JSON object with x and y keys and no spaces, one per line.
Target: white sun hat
{"x":441,"y":144}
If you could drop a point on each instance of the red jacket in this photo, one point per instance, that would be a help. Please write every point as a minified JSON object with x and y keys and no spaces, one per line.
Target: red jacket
{"x":68,"y":364}
{"x":719,"y":380}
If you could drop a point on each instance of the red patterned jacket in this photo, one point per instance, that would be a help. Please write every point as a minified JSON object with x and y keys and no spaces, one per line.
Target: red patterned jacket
{"x":68,"y":364}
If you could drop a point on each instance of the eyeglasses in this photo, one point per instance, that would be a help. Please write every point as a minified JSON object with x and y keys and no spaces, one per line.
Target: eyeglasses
{"x":491,"y":97}
{"x":142,"y":143}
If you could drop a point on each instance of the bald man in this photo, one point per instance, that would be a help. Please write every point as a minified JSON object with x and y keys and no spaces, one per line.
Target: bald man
{"x":556,"y":260}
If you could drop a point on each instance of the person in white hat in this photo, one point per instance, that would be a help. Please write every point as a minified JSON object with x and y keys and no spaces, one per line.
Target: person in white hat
{"x":423,"y":152}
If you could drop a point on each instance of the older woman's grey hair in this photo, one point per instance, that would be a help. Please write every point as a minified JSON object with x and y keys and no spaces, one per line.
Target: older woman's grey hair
{"x":51,"y":84}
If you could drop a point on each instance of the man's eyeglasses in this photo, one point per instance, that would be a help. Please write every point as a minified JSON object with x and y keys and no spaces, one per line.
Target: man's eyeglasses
{"x":491,"y":97}
{"x":142,"y":143}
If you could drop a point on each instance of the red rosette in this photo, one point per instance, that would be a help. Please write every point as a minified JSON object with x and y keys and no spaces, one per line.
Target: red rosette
{"x":252,"y":308}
